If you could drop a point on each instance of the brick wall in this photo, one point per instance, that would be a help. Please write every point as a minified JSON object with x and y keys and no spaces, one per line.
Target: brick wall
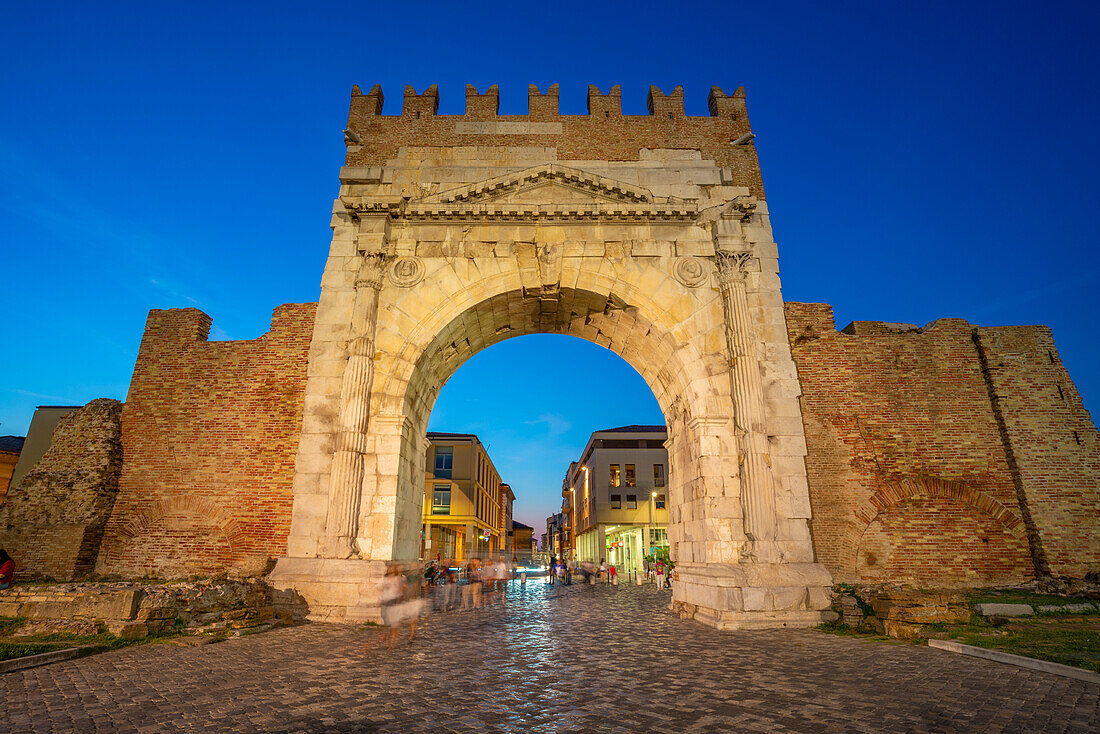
{"x":907,"y":470}
{"x":951,"y":454}
{"x":52,"y":519}
{"x":604,"y":134}
{"x":1053,"y":446}
{"x":209,"y":432}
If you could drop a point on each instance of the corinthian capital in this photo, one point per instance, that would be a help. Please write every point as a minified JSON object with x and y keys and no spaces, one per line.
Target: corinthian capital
{"x":732,"y":266}
{"x":370,"y":271}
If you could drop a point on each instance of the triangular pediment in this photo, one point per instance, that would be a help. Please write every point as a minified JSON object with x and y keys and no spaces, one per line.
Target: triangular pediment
{"x":550,"y":183}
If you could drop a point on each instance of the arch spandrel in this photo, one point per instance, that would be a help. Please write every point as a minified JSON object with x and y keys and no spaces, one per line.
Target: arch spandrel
{"x":671,"y":286}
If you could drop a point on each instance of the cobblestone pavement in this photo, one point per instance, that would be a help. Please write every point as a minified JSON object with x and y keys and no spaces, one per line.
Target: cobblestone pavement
{"x":591,"y":659}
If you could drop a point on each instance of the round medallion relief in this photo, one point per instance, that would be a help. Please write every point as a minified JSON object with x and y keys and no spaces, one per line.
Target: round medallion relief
{"x":691,"y":271}
{"x":406,"y":271}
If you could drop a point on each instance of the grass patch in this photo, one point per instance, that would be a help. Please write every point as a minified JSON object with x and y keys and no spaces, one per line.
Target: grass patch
{"x":17,"y":647}
{"x":10,"y":650}
{"x":8,"y":625}
{"x":1069,"y":639}
{"x":1010,"y":596}
{"x":1079,"y":648}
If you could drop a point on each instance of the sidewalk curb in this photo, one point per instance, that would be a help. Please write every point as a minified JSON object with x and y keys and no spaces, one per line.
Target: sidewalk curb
{"x":45,"y":658}
{"x":1042,"y":666}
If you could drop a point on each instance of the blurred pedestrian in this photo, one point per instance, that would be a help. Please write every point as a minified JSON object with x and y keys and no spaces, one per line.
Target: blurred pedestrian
{"x":391,"y":593}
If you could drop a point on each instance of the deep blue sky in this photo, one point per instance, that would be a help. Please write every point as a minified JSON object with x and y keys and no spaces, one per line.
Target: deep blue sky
{"x":936,"y":159}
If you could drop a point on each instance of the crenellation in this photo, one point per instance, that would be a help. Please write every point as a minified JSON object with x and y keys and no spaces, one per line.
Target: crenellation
{"x":727,"y":107}
{"x":366,"y":104}
{"x":418,"y":106}
{"x":663,"y":105}
{"x":482,"y":106}
{"x":608,"y":105}
{"x":542,"y":106}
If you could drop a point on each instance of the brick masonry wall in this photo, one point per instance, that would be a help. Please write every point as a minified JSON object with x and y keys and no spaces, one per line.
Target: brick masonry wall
{"x":52,"y":520}
{"x":209,"y":431}
{"x":605,"y":134}
{"x":909,"y":479}
{"x":1054,"y":446}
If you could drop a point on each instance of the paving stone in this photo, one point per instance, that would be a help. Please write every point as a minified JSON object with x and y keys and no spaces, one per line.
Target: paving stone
{"x":590,"y":658}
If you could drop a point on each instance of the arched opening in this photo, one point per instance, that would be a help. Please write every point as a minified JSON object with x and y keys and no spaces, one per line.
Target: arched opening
{"x":607,"y":321}
{"x":522,"y":412}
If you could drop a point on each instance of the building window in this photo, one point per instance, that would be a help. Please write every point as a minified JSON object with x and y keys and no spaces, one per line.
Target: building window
{"x":658,"y":536}
{"x":631,"y":479}
{"x":444,"y":460}
{"x":441,"y":500}
{"x":632,"y":501}
{"x":616,"y":502}
{"x":615,"y":481}
{"x":658,"y":475}
{"x":659,"y":502}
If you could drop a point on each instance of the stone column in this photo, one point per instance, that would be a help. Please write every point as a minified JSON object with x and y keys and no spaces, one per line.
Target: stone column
{"x":346,"y":479}
{"x":757,"y":483}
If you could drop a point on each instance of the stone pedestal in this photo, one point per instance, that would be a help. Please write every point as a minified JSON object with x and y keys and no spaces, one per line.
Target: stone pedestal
{"x":336,"y":590}
{"x":752,"y":595}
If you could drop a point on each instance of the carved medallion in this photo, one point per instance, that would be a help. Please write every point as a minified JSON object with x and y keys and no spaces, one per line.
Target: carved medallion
{"x":406,"y":272}
{"x":691,"y":271}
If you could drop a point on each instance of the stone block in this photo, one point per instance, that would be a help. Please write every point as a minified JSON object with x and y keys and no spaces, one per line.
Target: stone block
{"x":918,"y":607}
{"x":902,"y":630}
{"x":127,"y":629}
{"x":755,"y":599}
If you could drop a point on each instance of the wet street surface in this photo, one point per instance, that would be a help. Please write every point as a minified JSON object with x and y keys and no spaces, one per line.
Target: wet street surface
{"x":589,"y":659}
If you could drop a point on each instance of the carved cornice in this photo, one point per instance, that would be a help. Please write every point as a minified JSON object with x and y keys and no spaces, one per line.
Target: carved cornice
{"x":595,"y":211}
{"x":511,"y":182}
{"x":743,"y":207}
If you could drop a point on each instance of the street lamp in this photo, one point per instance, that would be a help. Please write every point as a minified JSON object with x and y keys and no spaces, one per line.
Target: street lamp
{"x":652,"y":502}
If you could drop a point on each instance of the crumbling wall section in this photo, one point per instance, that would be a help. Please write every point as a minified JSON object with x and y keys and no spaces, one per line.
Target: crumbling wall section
{"x":52,"y":520}
{"x":1052,"y":445}
{"x":909,"y":480}
{"x":210,"y":430}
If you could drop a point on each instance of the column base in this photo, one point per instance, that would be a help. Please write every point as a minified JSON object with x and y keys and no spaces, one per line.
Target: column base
{"x":752,"y":595}
{"x":334,"y":590}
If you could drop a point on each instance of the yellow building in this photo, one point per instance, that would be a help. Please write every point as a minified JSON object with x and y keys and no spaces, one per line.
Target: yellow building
{"x":10,"y":446}
{"x":467,"y":510}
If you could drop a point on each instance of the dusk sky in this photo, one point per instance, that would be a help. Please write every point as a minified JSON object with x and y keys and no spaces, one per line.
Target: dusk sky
{"x":926,"y":161}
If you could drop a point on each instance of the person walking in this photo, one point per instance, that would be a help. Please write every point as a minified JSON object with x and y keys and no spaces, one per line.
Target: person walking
{"x":477,"y":583}
{"x":391,"y":592}
{"x":660,"y":574}
{"x":603,"y":571}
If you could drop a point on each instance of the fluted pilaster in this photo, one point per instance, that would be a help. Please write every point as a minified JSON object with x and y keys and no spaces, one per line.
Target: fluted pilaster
{"x":346,"y":479}
{"x":757,"y":482}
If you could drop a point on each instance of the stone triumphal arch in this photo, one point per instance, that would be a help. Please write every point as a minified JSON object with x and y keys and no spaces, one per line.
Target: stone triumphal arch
{"x":951,"y":454}
{"x":444,"y":245}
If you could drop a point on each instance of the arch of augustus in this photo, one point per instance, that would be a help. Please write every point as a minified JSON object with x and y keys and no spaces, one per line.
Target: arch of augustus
{"x":949,"y":455}
{"x":665,"y":259}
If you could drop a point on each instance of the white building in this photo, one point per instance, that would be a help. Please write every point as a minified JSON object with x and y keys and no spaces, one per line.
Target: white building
{"x":616,"y":497}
